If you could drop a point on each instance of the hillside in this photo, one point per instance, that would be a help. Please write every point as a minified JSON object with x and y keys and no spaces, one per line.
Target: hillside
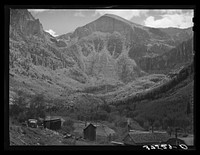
{"x":29,"y":136}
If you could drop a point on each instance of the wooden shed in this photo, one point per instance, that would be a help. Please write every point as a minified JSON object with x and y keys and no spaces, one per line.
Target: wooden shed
{"x":53,"y":124}
{"x":89,"y":132}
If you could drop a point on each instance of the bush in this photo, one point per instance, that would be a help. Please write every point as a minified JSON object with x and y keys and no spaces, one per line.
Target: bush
{"x":68,"y":125}
{"x":22,"y":117}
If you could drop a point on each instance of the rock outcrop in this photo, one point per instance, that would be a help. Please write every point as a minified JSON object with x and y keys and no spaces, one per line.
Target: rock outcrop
{"x":22,"y":23}
{"x":182,"y":54}
{"x":31,"y":46}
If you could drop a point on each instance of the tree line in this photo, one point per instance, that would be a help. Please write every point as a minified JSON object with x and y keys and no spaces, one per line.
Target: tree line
{"x":25,"y":107}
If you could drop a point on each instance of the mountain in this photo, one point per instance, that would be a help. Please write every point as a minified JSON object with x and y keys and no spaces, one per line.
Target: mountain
{"x":108,"y":51}
{"x":35,"y":56}
{"x":111,"y":43}
{"x":140,"y":39}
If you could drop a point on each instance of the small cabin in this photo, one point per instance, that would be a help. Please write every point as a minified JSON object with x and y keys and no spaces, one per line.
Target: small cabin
{"x":89,"y":132}
{"x":52,"y":123}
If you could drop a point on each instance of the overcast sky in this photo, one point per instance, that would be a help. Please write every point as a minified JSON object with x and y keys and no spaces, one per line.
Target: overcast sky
{"x":61,"y":21}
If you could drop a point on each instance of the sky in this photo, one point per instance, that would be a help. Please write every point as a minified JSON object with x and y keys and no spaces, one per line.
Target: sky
{"x":62,"y":21}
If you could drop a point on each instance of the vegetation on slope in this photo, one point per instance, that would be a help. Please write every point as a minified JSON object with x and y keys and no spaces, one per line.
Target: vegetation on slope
{"x":157,"y":92}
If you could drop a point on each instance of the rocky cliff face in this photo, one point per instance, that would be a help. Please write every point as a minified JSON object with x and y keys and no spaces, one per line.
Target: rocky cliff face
{"x":182,"y":54}
{"x":22,"y":23}
{"x":32,"y":49}
{"x":104,"y":55}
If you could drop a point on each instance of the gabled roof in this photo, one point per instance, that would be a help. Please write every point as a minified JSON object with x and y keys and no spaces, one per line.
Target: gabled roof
{"x":148,"y":137}
{"x":89,"y":125}
{"x":103,"y":130}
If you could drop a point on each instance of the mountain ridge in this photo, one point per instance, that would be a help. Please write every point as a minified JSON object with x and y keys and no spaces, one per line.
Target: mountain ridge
{"x":106,"y":50}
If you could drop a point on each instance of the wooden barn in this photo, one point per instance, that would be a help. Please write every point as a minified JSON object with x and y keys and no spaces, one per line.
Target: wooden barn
{"x":52,"y":123}
{"x":89,"y":132}
{"x":145,"y":138}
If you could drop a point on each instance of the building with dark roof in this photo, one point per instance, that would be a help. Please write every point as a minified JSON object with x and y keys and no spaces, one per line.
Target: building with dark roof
{"x":145,"y":138}
{"x":89,"y":132}
{"x":53,"y":123}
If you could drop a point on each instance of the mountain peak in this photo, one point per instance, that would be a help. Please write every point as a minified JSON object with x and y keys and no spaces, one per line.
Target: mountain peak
{"x":21,"y":13}
{"x":121,"y":19}
{"x":22,"y":22}
{"x":115,"y":17}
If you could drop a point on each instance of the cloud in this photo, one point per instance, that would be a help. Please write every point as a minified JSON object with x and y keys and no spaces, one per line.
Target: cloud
{"x":38,"y":10}
{"x":53,"y":33}
{"x":127,"y":14}
{"x":79,"y":14}
{"x":168,"y":11}
{"x":171,"y":19}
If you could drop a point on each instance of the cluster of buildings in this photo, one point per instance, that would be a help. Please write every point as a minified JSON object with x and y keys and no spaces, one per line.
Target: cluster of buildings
{"x":91,"y":132}
{"x":138,"y":137}
{"x":53,"y":123}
